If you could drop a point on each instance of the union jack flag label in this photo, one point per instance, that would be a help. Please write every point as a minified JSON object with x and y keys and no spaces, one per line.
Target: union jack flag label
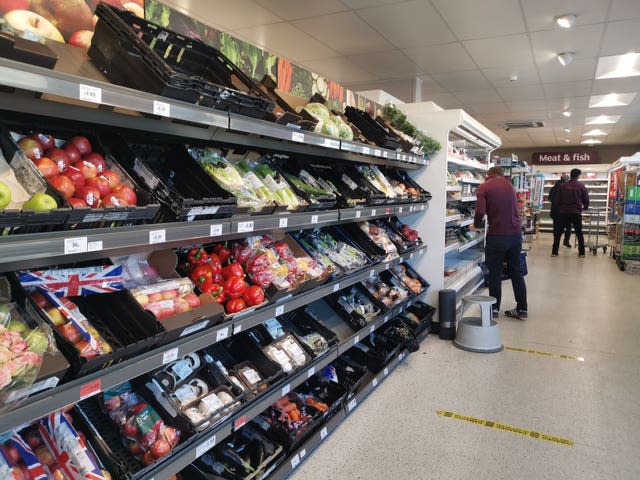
{"x":75,"y":281}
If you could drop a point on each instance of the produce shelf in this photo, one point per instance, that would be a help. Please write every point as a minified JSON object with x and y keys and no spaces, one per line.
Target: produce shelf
{"x":466,"y":163}
{"x":470,"y":244}
{"x":459,"y":281}
{"x":452,"y":247}
{"x":89,"y":385}
{"x":464,"y":223}
{"x":454,"y":188}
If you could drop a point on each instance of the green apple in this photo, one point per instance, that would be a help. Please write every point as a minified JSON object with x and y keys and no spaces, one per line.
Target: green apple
{"x":17,"y":326}
{"x":5,"y":195}
{"x":38,"y":342}
{"x":40,"y":202}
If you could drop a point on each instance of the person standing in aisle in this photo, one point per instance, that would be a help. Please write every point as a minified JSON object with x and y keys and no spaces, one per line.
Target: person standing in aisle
{"x":553,"y":199}
{"x":497,"y":199}
{"x":573,"y":198}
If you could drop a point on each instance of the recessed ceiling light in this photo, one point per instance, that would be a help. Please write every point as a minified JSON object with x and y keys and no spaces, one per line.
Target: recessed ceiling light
{"x":591,"y":141}
{"x":566,"y":21}
{"x":565,"y":58}
{"x":568,"y":130}
{"x":567,"y":140}
{"x":566,"y":113}
{"x":602,"y":119}
{"x":618,"y":66}
{"x":611,"y":100}
{"x":594,"y":133}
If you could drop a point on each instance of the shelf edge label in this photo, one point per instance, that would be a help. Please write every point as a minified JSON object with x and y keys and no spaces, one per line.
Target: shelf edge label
{"x":90,"y":389}
{"x":157,"y":236}
{"x":297,"y":137}
{"x":75,"y":245}
{"x":205,"y":446}
{"x":161,"y":108}
{"x":90,"y":94}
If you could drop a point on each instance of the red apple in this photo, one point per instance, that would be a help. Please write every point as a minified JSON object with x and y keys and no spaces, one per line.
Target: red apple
{"x":97,"y":160}
{"x":127,"y":193}
{"x":160,"y":448}
{"x":155,"y":297}
{"x":31,"y":148}
{"x":112,"y":200}
{"x":60,"y":158}
{"x":81,"y":39}
{"x":47,"y":167}
{"x":82,"y":144}
{"x":192,"y":299}
{"x":72,"y":152}
{"x":101,"y":184}
{"x":47,"y":141}
{"x":85,"y":349}
{"x":70,"y":332}
{"x":147,"y":459}
{"x":75,"y":175}
{"x":130,"y":429}
{"x":87,"y":169}
{"x":77,"y":202}
{"x":134,"y":448}
{"x":112,"y":177}
{"x":11,"y":454}
{"x":64,"y":185}
{"x":91,"y":195}
{"x":170,"y":294}
{"x":166,"y":313}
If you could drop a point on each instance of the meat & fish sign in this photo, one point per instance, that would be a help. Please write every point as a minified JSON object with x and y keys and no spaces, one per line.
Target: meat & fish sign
{"x":564,"y":158}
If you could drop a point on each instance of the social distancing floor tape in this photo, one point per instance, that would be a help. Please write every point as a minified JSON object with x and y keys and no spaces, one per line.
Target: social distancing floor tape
{"x":508,"y":428}
{"x":546,"y":354}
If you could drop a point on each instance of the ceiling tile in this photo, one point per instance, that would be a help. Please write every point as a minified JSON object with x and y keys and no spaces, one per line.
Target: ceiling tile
{"x":459,"y":81}
{"x":226,"y":15}
{"x":501,"y":76}
{"x":521,"y":92}
{"x":445,"y":100}
{"x":584,"y":41}
{"x":391,"y":64}
{"x":535,"y":107}
{"x":356,"y":4}
{"x":624,"y":10}
{"x":615,"y":85}
{"x":567,"y":89}
{"x":484,"y":108}
{"x":286,"y":40}
{"x":408,"y":24}
{"x":551,"y":71}
{"x":338,"y":69}
{"x":500,"y":51}
{"x":344,"y":32}
{"x":441,"y":58}
{"x":478,"y":19}
{"x":620,"y":37}
{"x":568,"y":103}
{"x":430,"y":86}
{"x":540,"y":14}
{"x":295,"y":9}
{"x":483,"y":95}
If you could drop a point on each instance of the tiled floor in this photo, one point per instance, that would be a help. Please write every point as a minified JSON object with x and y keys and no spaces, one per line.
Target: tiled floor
{"x":580,"y":307}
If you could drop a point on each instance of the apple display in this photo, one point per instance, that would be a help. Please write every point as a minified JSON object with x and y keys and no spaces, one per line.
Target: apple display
{"x":47,"y":141}
{"x":55,"y":316}
{"x":192,"y":299}
{"x":31,"y":148}
{"x":112,"y":200}
{"x":126,"y":193}
{"x":70,"y":332}
{"x":77,"y":202}
{"x":155,"y":297}
{"x":28,"y":21}
{"x":96,"y":159}
{"x":40,"y":202}
{"x":112,"y":177}
{"x":63,"y":185}
{"x":81,"y":39}
{"x":47,"y":167}
{"x":170,"y":294}
{"x":181,"y":305}
{"x":87,"y":169}
{"x":160,"y":448}
{"x":72,"y":152}
{"x":75,"y":175}
{"x":82,"y":144}
{"x":68,"y":15}
{"x":59,"y":157}
{"x":90,"y":195}
{"x":5,"y":195}
{"x":101,"y":184}
{"x":40,"y":300}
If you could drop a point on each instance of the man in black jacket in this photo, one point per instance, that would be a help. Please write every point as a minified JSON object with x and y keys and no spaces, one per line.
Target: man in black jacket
{"x":553,"y":199}
{"x":573,"y":198}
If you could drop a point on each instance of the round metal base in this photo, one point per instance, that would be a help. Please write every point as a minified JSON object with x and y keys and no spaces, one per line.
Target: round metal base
{"x":473,"y":337}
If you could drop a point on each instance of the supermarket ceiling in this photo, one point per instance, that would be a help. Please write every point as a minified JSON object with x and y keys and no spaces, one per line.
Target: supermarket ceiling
{"x":466,"y":52}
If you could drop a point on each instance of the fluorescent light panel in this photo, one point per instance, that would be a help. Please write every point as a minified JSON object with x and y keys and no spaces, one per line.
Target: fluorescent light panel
{"x":618,"y":66}
{"x":566,"y":113}
{"x":595,"y":133}
{"x":602,"y":120}
{"x":611,"y":100}
{"x":566,"y":21}
{"x":591,"y":141}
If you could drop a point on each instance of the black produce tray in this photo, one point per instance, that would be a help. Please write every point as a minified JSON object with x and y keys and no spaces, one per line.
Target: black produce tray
{"x":372,"y":129}
{"x":350,"y":193}
{"x":263,"y":339}
{"x":350,"y":373}
{"x":412,"y":274}
{"x":424,"y":313}
{"x":396,"y":224}
{"x":289,"y":166}
{"x":26,"y":51}
{"x":139,"y":54}
{"x":363,"y":242}
{"x":289,"y":116}
{"x":403,"y":177}
{"x":175,"y":178}
{"x":373,"y":195}
{"x":302,"y":322}
{"x":375,"y":351}
{"x":331,"y":393}
{"x":355,"y":321}
{"x":402,"y":245}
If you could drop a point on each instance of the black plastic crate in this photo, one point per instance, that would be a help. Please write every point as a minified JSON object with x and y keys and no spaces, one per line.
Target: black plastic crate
{"x":355,"y":319}
{"x":376,"y":351}
{"x":418,"y":317}
{"x":303,"y":322}
{"x":402,"y":269}
{"x":291,"y":170}
{"x":400,"y":176}
{"x":139,"y":54}
{"x":363,"y":242}
{"x":373,"y":130}
{"x":350,"y":193}
{"x":349,"y":373}
{"x":263,"y":337}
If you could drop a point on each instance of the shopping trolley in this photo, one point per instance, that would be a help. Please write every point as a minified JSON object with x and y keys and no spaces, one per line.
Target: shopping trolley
{"x":591,"y":221}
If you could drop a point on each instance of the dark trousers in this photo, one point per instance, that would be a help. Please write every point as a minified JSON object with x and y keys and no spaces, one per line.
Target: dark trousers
{"x":567,"y":230}
{"x":500,"y":249}
{"x":567,"y":220}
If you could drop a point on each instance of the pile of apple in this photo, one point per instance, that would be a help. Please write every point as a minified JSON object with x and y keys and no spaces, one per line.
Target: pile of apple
{"x":166,"y":302}
{"x":81,"y":175}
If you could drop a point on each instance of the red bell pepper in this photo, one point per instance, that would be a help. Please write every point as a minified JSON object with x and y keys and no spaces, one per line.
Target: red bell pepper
{"x":233,"y":270}
{"x":201,"y":274}
{"x":253,"y":295}
{"x":223,"y":252}
{"x":235,"y":287}
{"x":197,"y":256}
{"x":215,"y":263}
{"x":217,"y":292}
{"x":235,"y":305}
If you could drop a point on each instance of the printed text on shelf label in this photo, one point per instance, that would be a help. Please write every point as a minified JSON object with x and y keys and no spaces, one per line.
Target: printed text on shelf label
{"x":205,"y":446}
{"x":244,"y":227}
{"x":215,"y":230}
{"x":90,"y":94}
{"x":297,"y":136}
{"x":283,"y":223}
{"x":161,"y":108}
{"x":75,"y":245}
{"x":170,"y":356}
{"x":323,"y":433}
{"x":157,"y":236}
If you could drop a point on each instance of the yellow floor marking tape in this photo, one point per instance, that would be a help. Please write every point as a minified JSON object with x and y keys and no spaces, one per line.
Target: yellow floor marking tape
{"x":508,"y":428}
{"x":547,"y":354}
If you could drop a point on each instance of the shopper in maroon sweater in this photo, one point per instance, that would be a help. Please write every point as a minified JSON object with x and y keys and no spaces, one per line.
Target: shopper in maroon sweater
{"x":572,"y":198}
{"x":497,"y":199}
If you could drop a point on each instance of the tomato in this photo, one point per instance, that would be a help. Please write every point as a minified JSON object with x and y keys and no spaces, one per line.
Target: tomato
{"x":215,"y":263}
{"x":223,"y":252}
{"x":201,"y":274}
{"x":235,"y":305}
{"x":235,"y":287}
{"x":233,"y":270}
{"x":253,"y":295}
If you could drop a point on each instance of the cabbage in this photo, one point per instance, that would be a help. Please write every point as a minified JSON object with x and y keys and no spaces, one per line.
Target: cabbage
{"x":318,"y":110}
{"x":344,"y":130}
{"x":330,"y":127}
{"x":318,"y":127}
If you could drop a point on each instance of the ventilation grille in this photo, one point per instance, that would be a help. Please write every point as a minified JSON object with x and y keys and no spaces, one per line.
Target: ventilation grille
{"x":523,"y":124}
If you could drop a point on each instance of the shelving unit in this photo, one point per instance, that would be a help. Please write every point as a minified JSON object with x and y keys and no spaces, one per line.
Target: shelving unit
{"x":454,"y":129}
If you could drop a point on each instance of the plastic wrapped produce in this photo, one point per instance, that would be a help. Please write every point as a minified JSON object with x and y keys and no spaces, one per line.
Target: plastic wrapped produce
{"x":380,"y":238}
{"x":353,"y":301}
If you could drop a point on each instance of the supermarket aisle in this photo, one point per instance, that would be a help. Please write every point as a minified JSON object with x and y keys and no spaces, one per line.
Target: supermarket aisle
{"x":580,"y":307}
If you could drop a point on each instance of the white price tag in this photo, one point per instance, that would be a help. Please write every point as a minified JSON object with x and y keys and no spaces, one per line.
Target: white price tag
{"x":323,"y":433}
{"x":215,"y":230}
{"x":161,"y":108}
{"x":244,"y":227}
{"x":385,"y":154}
{"x":283,"y":222}
{"x":366,"y":150}
{"x":286,"y":389}
{"x":94,"y":246}
{"x":297,"y":137}
{"x":377,"y":152}
{"x":75,"y":245}
{"x":358,"y":213}
{"x":90,"y":94}
{"x":386,"y":266}
{"x":336,"y":287}
{"x":237,"y":328}
{"x":352,"y":404}
{"x":410,"y":255}
{"x":311,"y":372}
{"x":194,"y":328}
{"x":385,"y":371}
{"x":401,"y":356}
{"x":356,"y":339}
{"x":157,"y":236}
{"x":205,"y":446}
{"x":314,"y":218}
{"x":399,"y":209}
{"x":411,"y":208}
{"x":421,"y":207}
{"x":170,"y":356}
{"x":372,"y":328}
{"x":373,"y":212}
{"x":222,"y":334}
{"x":385,"y":319}
{"x":372,"y":273}
{"x":331,"y":143}
{"x":295,"y":461}
{"x":279,"y":310}
{"x":303,"y":452}
{"x":374,"y":382}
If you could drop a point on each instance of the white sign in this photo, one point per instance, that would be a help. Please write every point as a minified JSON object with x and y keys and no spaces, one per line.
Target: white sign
{"x":295,"y":461}
{"x":75,"y":245}
{"x":356,"y":339}
{"x":283,"y":223}
{"x":311,"y":372}
{"x":157,"y":236}
{"x":374,"y":382}
{"x":244,"y":227}
{"x":331,"y":143}
{"x":314,"y":218}
{"x":237,"y":328}
{"x":323,"y":433}
{"x":94,"y":246}
{"x":194,"y":328}
{"x":90,"y":94}
{"x":222,"y":334}
{"x":366,"y":150}
{"x":352,"y":404}
{"x":373,"y":212}
{"x":279,"y":310}
{"x":297,"y":137}
{"x":215,"y":230}
{"x":205,"y":446}
{"x":372,"y":328}
{"x":161,"y":108}
{"x":336,"y":287}
{"x":286,"y":389}
{"x":170,"y":356}
{"x":386,"y":371}
{"x":358,"y":213}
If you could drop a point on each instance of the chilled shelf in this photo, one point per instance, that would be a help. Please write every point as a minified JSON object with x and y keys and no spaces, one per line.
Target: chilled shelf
{"x":470,"y":244}
{"x":464,"y":223}
{"x":473,"y":181}
{"x":454,"y":188}
{"x":471,"y":198}
{"x":451,"y":247}
{"x":458,"y":282}
{"x":452,"y":218}
{"x":466,"y":163}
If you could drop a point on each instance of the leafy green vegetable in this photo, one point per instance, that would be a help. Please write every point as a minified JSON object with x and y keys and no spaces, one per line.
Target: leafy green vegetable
{"x":399,"y":121}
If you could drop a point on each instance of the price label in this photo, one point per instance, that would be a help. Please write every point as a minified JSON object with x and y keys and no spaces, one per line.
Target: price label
{"x":358,"y":214}
{"x":386,"y":266}
{"x":373,"y":212}
{"x":385,"y":154}
{"x":90,"y":94}
{"x":297,"y":137}
{"x":314,"y":218}
{"x":311,"y":372}
{"x":157,"y":236}
{"x":194,"y":328}
{"x":283,"y":222}
{"x":385,"y":371}
{"x":410,"y":255}
{"x":89,"y":389}
{"x":215,"y":230}
{"x":421,"y":207}
{"x":372,"y":273}
{"x":239,"y":422}
{"x":323,"y":433}
{"x":170,"y":356}
{"x":75,"y":245}
{"x":222,"y":334}
{"x":303,"y":452}
{"x":372,"y":328}
{"x":237,"y":328}
{"x":411,"y":208}
{"x":94,"y":246}
{"x":286,"y":389}
{"x":377,"y":152}
{"x":352,"y":404}
{"x":331,"y":143}
{"x":295,"y":461}
{"x":356,"y":339}
{"x":161,"y":108}
{"x":399,"y":209}
{"x":374,"y":382}
{"x":244,"y":227}
{"x":279,"y":310}
{"x":401,"y":356}
{"x":385,"y":319}
{"x":336,"y":287}
{"x":205,"y":446}
{"x":366,"y":150}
